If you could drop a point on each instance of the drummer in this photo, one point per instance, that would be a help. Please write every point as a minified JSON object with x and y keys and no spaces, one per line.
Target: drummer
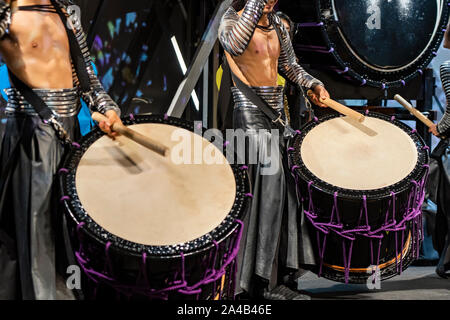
{"x":255,"y":55}
{"x":32,"y":150}
{"x":439,"y":156}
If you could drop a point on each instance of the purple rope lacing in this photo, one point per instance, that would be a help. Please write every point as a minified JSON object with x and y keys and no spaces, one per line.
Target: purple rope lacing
{"x":319,"y":49}
{"x":310,"y":24}
{"x":413,"y":214}
{"x":179,"y":284}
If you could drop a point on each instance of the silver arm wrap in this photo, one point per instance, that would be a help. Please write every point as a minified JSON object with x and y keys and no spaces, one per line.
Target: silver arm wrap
{"x":102,"y":102}
{"x":444,"y":125}
{"x":5,"y":18}
{"x":287,"y":63}
{"x":235,"y":32}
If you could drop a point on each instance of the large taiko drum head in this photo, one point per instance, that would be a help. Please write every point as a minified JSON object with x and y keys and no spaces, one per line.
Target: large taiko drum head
{"x":350,"y":155}
{"x":142,"y":197}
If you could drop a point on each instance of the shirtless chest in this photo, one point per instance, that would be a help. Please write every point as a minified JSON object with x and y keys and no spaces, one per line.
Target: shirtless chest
{"x":37,"y":33}
{"x":264,"y":45}
{"x":258,"y":65}
{"x":35,"y":47}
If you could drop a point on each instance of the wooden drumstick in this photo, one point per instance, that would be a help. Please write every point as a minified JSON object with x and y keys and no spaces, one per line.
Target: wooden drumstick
{"x":419,"y":115}
{"x":414,"y":111}
{"x":340,"y":108}
{"x":134,"y":135}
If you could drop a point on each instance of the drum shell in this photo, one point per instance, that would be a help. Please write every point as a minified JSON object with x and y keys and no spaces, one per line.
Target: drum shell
{"x":321,"y":198}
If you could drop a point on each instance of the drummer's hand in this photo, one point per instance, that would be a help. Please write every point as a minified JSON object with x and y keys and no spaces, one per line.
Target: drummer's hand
{"x":320,"y":93}
{"x":434,"y":131}
{"x":105,"y":126}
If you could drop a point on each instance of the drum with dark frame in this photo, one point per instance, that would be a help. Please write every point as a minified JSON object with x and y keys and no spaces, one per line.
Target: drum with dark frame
{"x":378,"y":43}
{"x":362,"y":188}
{"x":146,"y":226}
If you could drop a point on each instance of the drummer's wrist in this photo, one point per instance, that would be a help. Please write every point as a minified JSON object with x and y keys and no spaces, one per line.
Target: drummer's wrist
{"x":317,"y":85}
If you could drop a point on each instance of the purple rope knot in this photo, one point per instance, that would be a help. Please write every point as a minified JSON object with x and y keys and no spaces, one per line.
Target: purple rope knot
{"x":243,"y":168}
{"x":363,"y":82}
{"x":80,"y":225}
{"x":316,"y":119}
{"x":298,"y":132}
{"x":367,"y":112}
{"x":226,"y":143}
{"x":131,"y":117}
{"x":425,"y":148}
{"x":294,"y":168}
{"x":420,"y":71}
{"x":64,"y":198}
{"x":383,"y":86}
{"x":290,"y":149}
{"x":343,"y":71}
{"x":392,"y":118}
{"x":63,"y":170}
{"x":414,"y":131}
{"x":403,"y":82}
{"x":249,"y":195}
{"x":76,"y":145}
{"x":166,"y":116}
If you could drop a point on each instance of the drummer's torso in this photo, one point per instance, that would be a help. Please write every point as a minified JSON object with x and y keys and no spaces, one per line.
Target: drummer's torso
{"x":36,"y":46}
{"x":258,"y":65}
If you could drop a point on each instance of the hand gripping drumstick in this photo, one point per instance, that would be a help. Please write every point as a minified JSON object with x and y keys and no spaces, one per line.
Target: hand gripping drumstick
{"x":341,"y":108}
{"x":133,"y":135}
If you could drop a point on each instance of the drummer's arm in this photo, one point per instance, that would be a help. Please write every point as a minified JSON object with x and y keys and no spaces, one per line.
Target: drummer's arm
{"x":289,"y":67}
{"x":447,"y":37}
{"x":235,"y":32}
{"x":443,"y":128}
{"x":101,"y":101}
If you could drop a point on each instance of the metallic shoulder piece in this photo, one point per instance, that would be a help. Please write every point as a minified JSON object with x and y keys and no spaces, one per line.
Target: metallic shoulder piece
{"x":5,"y":18}
{"x":287,"y":63}
{"x":444,"y":125}
{"x":236,"y":32}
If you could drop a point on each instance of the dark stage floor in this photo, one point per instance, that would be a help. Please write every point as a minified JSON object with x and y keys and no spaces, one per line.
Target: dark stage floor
{"x":416,"y":283}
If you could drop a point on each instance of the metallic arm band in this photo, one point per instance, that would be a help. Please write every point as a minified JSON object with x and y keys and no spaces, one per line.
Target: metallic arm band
{"x":287,"y":63}
{"x":235,"y":32}
{"x":102,"y":100}
{"x":5,"y":18}
{"x":444,"y":125}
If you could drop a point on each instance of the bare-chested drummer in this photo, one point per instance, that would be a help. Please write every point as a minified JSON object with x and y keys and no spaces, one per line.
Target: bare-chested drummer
{"x":35,"y":46}
{"x":256,"y":54}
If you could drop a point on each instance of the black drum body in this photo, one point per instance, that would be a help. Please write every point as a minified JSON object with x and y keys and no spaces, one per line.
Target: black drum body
{"x":357,"y":233}
{"x":200,"y":269}
{"x":377,"y":43}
